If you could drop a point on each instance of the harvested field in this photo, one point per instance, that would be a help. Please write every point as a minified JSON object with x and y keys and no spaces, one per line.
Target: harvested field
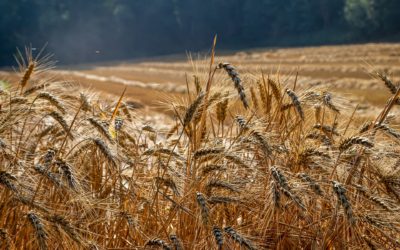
{"x":348,"y":69}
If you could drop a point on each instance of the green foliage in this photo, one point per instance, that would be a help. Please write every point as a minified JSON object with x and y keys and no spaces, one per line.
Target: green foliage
{"x":361,"y":14}
{"x":373,"y":16}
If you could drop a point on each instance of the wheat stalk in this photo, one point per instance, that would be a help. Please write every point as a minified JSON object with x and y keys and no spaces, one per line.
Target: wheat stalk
{"x":27,"y":75}
{"x":41,"y":234}
{"x":104,"y":149}
{"x":236,"y":80}
{"x":190,"y":112}
{"x":52,"y":99}
{"x":219,"y":237}
{"x":60,"y":119}
{"x":296,"y":102}
{"x":344,"y":201}
{"x":205,"y":212}
{"x":101,"y":129}
{"x":67,"y":171}
{"x":176,"y":242}
{"x":355,"y":140}
{"x":388,"y":83}
{"x":159,"y":243}
{"x":49,"y":175}
{"x":327,"y":101}
{"x":6,"y":179}
{"x":239,"y":238}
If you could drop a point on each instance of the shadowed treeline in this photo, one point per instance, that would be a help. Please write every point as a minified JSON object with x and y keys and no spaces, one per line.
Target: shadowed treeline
{"x":98,"y":30}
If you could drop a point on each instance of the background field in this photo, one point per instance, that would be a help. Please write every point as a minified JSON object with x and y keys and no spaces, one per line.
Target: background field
{"x":349,"y":69}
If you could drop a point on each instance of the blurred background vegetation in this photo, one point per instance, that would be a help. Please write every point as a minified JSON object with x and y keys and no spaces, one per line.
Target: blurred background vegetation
{"x":100,"y":30}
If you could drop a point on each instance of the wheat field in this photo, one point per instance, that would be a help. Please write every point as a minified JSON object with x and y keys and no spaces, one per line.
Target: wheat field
{"x":256,"y":150}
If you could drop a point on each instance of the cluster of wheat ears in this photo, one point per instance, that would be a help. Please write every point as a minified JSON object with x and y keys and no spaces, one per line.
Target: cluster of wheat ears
{"x":272,"y":167}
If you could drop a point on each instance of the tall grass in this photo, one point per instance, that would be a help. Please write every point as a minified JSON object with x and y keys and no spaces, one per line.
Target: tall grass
{"x":287,"y":168}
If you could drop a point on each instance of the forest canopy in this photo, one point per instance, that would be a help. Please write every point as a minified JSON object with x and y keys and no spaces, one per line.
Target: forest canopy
{"x":99,"y":30}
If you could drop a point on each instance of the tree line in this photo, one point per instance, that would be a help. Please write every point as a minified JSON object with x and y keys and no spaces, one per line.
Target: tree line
{"x":84,"y":31}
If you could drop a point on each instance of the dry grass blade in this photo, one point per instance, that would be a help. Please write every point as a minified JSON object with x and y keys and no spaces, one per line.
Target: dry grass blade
{"x":318,"y":115}
{"x":118,"y":104}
